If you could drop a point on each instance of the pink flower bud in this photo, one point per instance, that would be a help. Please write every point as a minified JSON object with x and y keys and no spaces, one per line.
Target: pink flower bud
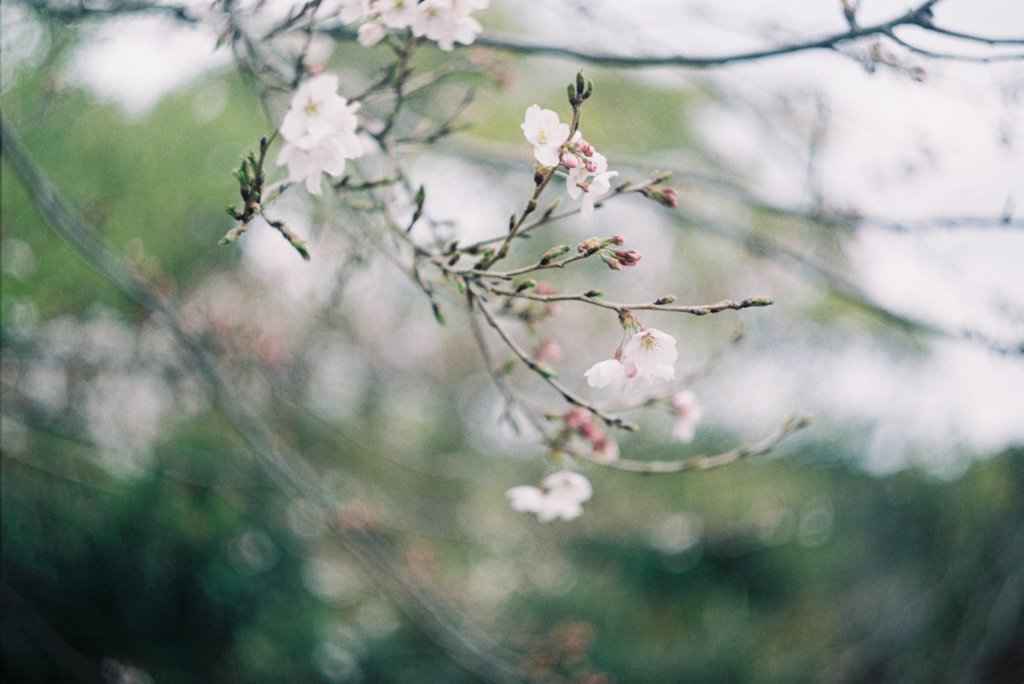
{"x":578,"y":418}
{"x":669,"y":197}
{"x":585,"y":148}
{"x":544,"y":288}
{"x":316,"y":68}
{"x":548,"y":350}
{"x":628,"y":257}
{"x":617,"y":240}
{"x":610,"y":261}
{"x":591,"y":245}
{"x":591,"y":166}
{"x":569,"y":160}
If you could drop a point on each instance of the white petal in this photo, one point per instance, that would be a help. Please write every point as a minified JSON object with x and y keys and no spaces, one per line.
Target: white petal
{"x":548,"y":156}
{"x":567,"y":485}
{"x":607,"y":372}
{"x":525,"y":498}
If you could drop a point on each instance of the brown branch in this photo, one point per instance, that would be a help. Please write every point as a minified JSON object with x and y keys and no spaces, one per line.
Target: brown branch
{"x":707,"y":462}
{"x":546,"y":375}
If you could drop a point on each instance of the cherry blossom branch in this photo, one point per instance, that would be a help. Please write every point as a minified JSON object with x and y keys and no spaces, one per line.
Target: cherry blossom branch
{"x":548,"y":375}
{"x":696,"y":310}
{"x":758,"y":448}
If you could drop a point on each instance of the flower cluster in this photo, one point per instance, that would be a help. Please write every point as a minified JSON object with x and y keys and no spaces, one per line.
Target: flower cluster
{"x":587,"y":169}
{"x":319,"y":131}
{"x":647,"y":357}
{"x":560,"y":495}
{"x":444,"y":21}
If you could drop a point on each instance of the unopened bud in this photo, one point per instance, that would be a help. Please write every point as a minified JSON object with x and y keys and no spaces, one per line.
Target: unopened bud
{"x":667,"y":299}
{"x":569,"y":160}
{"x":610,"y":261}
{"x":585,"y":148}
{"x":554,"y":253}
{"x":669,"y":197}
{"x":581,"y":84}
{"x":590,"y":245}
{"x":526,"y":285}
{"x":591,"y":166}
{"x":616,"y":240}
{"x":571,"y":92}
{"x":593,"y":294}
{"x":628,"y":257}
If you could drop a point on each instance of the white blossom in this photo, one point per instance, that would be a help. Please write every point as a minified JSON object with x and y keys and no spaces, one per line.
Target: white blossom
{"x":653,"y":354}
{"x":319,"y":131}
{"x":447,"y":22}
{"x":560,"y":495}
{"x":590,"y":184}
{"x":398,"y":14}
{"x":608,"y":372}
{"x":318,"y":111}
{"x":355,"y":10}
{"x":545,"y":132}
{"x":306,"y":165}
{"x":371,"y":33}
{"x":688,"y":413}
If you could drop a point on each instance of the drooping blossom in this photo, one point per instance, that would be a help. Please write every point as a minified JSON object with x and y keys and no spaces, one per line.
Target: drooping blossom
{"x":647,"y":357}
{"x":590,"y":181}
{"x":653,"y":353}
{"x":609,"y":373}
{"x":546,"y":133}
{"x":319,"y":130}
{"x":688,"y":414}
{"x":560,"y":495}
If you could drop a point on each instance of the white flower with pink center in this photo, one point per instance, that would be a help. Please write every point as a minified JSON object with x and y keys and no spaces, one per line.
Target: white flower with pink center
{"x":546,"y":133}
{"x":319,"y":130}
{"x":653,"y":354}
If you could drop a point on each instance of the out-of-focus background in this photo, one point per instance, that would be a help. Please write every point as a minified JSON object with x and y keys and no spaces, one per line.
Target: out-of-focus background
{"x":874,"y":196}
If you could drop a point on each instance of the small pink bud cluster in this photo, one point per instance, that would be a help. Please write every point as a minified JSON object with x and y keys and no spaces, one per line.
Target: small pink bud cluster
{"x":548,"y":350}
{"x":576,"y":151}
{"x":581,"y":422}
{"x":615,"y":259}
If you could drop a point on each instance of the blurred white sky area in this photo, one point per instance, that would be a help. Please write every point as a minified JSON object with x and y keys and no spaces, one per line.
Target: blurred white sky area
{"x":891,"y":147}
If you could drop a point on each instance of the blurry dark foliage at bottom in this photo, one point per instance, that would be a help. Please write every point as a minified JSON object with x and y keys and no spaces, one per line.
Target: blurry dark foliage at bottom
{"x":163,"y":579}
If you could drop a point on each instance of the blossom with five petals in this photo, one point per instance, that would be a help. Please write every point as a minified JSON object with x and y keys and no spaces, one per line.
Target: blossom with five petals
{"x":653,"y":353}
{"x":648,"y":356}
{"x":319,"y":131}
{"x":546,"y":133}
